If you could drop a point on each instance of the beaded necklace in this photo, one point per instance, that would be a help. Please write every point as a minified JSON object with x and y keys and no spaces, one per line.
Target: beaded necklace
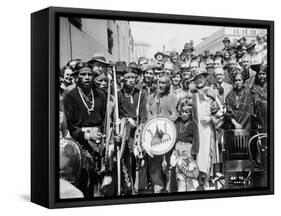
{"x":129,"y":95}
{"x":87,"y":100}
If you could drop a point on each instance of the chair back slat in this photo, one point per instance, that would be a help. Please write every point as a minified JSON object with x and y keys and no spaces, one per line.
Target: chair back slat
{"x":236,"y":144}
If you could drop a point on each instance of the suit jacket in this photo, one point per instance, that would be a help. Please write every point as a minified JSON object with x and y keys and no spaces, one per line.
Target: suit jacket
{"x":226,"y":89}
{"x":250,"y":77}
{"x":228,"y":78}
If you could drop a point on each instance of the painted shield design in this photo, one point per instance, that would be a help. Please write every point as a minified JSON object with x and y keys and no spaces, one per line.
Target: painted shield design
{"x":158,"y":136}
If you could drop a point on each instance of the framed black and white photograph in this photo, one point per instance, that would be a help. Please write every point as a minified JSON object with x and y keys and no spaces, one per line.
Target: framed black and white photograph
{"x":136,"y":107}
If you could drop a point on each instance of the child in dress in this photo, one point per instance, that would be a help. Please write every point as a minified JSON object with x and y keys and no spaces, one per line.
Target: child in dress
{"x":185,"y":150}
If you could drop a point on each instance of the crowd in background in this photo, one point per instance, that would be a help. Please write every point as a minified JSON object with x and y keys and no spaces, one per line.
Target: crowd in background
{"x":203,"y":94}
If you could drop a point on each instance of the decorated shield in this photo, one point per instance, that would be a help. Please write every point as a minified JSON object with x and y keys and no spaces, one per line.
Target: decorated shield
{"x":158,"y":136}
{"x":70,"y":160}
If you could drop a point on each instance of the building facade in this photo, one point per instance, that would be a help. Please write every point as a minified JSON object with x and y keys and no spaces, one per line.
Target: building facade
{"x":82,"y":38}
{"x":141,"y":49}
{"x":214,"y":42}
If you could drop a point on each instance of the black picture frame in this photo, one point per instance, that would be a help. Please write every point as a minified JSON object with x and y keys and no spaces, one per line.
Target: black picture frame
{"x":44,"y":105}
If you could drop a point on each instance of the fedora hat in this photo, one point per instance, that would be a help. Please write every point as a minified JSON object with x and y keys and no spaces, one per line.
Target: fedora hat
{"x":256,"y":67}
{"x":120,"y":66}
{"x":251,"y":45}
{"x":242,"y":39}
{"x":226,"y":39}
{"x":200,"y":71}
{"x":158,"y":53}
{"x":152,"y":66}
{"x":218,"y":54}
{"x":263,"y":68}
{"x":134,"y":66}
{"x":206,"y":54}
{"x":167,"y":54}
{"x":188,"y":46}
{"x":98,"y":57}
{"x":128,"y":73}
{"x":232,"y":46}
{"x":209,"y":63}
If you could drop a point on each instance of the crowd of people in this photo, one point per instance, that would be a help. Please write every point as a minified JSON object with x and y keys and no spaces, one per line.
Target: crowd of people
{"x":203,"y":94}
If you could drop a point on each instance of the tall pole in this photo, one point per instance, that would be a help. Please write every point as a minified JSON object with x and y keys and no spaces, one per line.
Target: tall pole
{"x":117,"y":132}
{"x":157,"y":98}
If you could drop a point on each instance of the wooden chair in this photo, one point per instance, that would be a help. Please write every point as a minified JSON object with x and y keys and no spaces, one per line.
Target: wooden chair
{"x":258,"y":175}
{"x":237,"y":164}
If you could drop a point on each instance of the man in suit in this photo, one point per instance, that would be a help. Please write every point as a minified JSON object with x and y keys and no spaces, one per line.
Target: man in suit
{"x":248,"y":73}
{"x":232,"y":71}
{"x":226,"y":43}
{"x":221,"y":87}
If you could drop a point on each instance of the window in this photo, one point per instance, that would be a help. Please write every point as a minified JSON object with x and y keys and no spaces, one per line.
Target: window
{"x":118,"y":41}
{"x":76,"y":21}
{"x":110,"y":40}
{"x":235,"y":31}
{"x":109,"y":36}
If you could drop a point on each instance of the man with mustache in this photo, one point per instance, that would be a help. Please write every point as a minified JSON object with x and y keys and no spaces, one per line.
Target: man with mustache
{"x":163,"y":102}
{"x":85,"y":108}
{"x":221,"y":87}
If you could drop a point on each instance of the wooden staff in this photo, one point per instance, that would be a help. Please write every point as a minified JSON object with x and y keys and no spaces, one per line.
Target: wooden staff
{"x":107,"y":179}
{"x":157,"y":98}
{"x":117,"y":132}
{"x":138,"y":160}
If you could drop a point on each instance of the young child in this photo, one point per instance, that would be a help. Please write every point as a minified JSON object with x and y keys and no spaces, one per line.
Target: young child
{"x":186,"y":149}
